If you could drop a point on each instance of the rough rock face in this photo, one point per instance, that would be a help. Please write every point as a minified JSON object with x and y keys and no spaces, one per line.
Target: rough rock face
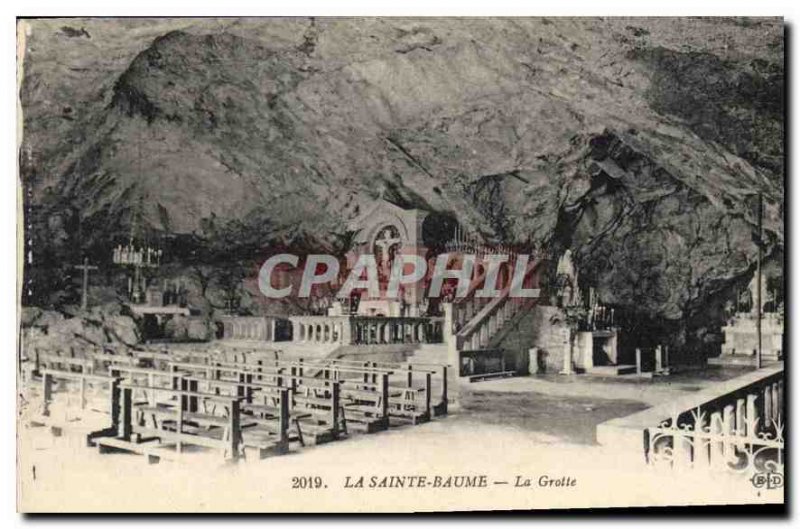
{"x":183,"y":329}
{"x":102,"y":326}
{"x":640,"y":143}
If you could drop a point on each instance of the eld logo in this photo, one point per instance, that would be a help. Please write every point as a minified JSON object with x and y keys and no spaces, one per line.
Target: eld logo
{"x":770,"y":480}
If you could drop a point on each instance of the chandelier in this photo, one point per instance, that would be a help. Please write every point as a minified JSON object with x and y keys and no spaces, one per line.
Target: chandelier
{"x":140,"y":257}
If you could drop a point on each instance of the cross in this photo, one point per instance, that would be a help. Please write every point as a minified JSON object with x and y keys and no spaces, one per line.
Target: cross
{"x":384,"y":243}
{"x":85,"y":294}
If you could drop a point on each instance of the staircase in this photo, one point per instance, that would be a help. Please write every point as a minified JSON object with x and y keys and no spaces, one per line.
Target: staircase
{"x":476,"y":323}
{"x":306,"y":351}
{"x":611,"y":370}
{"x":429,"y":353}
{"x":479,"y":322}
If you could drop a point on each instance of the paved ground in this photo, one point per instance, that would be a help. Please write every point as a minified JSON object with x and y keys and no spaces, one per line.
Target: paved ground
{"x":569,"y":408}
{"x":531,"y":426}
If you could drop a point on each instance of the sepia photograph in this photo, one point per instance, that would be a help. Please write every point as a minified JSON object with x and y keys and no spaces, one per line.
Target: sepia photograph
{"x":319,"y":264}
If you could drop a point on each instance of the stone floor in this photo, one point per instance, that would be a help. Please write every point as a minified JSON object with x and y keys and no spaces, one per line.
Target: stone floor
{"x":569,"y":408}
{"x":529,"y":426}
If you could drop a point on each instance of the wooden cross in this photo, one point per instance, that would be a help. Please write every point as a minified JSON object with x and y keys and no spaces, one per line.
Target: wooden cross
{"x":85,"y":293}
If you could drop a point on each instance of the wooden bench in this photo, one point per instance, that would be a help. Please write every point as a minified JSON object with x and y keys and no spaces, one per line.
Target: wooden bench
{"x":49,"y":377}
{"x":176,"y":424}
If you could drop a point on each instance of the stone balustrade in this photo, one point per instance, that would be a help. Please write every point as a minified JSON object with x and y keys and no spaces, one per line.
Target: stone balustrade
{"x":365,"y":330}
{"x":256,"y":328}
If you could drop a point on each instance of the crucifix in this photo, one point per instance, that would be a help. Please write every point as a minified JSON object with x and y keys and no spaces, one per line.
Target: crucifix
{"x":85,"y":291}
{"x":385,"y":243}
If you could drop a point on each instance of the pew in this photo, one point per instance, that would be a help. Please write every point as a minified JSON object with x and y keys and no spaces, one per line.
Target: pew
{"x":147,"y":429}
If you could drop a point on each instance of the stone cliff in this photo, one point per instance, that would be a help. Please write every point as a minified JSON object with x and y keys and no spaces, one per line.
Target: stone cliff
{"x":640,"y":143}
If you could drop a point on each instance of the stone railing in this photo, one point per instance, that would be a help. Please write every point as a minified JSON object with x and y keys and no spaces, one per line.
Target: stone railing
{"x":477,"y":333}
{"x":365,"y":330}
{"x":472,"y":323}
{"x":258,"y":328}
{"x":735,"y":425}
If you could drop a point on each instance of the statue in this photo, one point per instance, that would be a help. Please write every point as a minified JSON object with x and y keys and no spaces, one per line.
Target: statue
{"x":567,"y":280}
{"x":385,"y":244}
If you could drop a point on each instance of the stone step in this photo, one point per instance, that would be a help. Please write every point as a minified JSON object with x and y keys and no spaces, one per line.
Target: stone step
{"x":612,"y":371}
{"x":491,"y":376}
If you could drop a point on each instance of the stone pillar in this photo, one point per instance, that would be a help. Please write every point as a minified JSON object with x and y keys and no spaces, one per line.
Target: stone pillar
{"x":659,"y":362}
{"x":347,"y":331}
{"x":638,"y":361}
{"x":448,"y":336}
{"x":567,"y":367}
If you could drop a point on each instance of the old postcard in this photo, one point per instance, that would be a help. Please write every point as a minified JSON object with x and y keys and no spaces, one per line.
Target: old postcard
{"x":400,"y":264}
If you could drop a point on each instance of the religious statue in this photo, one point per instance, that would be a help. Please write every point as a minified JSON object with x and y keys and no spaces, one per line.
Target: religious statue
{"x":567,"y":280}
{"x":385,"y":243}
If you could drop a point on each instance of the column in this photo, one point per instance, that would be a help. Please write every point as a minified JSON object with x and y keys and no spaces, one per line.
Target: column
{"x":659,"y":363}
{"x":346,"y":335}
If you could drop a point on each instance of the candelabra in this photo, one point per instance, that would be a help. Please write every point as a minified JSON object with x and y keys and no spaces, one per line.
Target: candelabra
{"x":138,"y":258}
